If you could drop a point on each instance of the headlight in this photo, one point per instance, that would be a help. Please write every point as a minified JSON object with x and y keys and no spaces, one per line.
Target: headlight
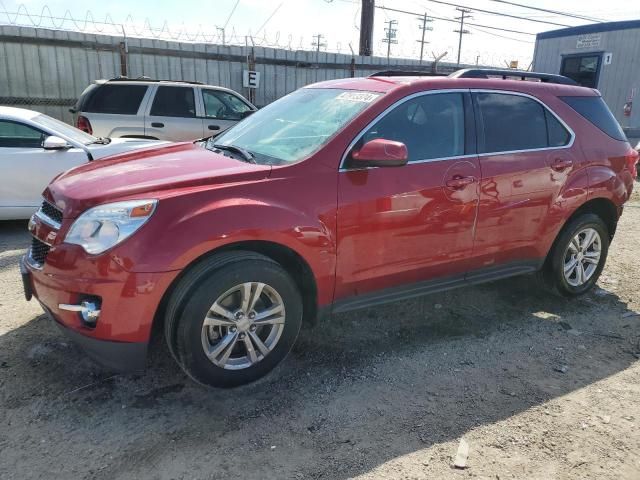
{"x":102,"y":227}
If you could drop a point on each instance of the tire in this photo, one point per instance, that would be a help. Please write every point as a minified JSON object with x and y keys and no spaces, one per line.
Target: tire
{"x":565,"y":251}
{"x":252,"y":346}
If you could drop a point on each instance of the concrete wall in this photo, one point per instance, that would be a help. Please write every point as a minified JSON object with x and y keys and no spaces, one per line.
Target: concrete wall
{"x":46,"y":70}
{"x":616,"y":80}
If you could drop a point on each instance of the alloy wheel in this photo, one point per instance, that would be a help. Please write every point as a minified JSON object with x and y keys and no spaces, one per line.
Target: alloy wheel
{"x":582,"y":257}
{"x":243,"y":325}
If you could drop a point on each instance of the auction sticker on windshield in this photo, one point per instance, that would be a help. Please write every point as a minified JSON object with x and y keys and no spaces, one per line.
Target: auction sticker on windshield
{"x":365,"y":97}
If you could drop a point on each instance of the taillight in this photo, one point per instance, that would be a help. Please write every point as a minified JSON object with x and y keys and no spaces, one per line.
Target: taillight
{"x":632,"y":162}
{"x":83,"y":123}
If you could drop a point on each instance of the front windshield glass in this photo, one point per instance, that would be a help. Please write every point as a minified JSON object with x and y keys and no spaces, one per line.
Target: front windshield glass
{"x":62,"y":128}
{"x":297,"y":125}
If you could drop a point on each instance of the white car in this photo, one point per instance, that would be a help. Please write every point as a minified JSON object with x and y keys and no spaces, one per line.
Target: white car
{"x":34,"y":148}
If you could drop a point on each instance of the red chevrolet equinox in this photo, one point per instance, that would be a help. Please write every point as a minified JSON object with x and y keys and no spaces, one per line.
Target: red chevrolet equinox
{"x":342,"y":195}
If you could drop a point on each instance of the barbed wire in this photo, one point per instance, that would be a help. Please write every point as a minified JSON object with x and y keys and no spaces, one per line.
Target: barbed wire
{"x":22,"y":17}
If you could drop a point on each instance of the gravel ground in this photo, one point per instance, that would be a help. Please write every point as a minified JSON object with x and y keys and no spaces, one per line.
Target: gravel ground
{"x":537,"y":386}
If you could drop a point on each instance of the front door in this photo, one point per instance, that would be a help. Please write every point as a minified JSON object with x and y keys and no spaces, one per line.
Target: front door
{"x":221,"y":111}
{"x":412,"y":223}
{"x":173,"y":115}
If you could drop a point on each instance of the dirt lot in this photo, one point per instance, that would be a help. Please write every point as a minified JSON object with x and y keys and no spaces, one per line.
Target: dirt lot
{"x":539,"y":387}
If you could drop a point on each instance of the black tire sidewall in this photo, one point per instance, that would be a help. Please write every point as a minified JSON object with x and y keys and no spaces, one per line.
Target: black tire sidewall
{"x":188,"y":333}
{"x":580,"y":223}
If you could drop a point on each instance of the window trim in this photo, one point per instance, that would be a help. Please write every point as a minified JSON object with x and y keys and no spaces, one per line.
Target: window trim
{"x":544,"y":105}
{"x":343,"y":168}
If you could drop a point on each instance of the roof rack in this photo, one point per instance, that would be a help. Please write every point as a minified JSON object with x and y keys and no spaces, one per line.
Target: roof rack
{"x":407,"y":73}
{"x":508,"y":73}
{"x":147,"y":79}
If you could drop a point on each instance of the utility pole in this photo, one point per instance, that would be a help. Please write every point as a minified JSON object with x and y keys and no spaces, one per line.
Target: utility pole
{"x":424,"y":19}
{"x":366,"y":27}
{"x":462,"y":31}
{"x":317,"y":42}
{"x":390,"y":35}
{"x":222,"y":35}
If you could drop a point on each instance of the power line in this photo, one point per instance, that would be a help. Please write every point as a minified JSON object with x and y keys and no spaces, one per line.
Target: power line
{"x":456,"y":21}
{"x":231,"y":14}
{"x":502,"y":14}
{"x":500,"y":36}
{"x":555,"y":12}
{"x":270,"y":17}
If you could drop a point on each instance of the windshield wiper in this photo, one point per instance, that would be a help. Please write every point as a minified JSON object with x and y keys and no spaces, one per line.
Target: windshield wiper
{"x":245,"y":154}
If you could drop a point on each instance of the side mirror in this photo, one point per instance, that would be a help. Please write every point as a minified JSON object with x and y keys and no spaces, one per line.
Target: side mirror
{"x":244,"y":115}
{"x":381,"y":153}
{"x":55,"y":143}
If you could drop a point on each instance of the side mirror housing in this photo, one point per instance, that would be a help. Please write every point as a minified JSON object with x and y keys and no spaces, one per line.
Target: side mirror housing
{"x":380,"y":153}
{"x":55,"y":143}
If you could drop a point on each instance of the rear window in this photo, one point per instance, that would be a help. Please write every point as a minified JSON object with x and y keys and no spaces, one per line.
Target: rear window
{"x":596,"y":111}
{"x":119,"y":99}
{"x":174,"y":102}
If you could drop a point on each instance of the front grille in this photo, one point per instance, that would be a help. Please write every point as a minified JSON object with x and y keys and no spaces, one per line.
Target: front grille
{"x":52,"y":212}
{"x":39,"y":251}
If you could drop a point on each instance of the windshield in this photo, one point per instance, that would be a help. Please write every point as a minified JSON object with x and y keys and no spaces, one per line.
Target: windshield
{"x":64,"y":129}
{"x":295,"y":126}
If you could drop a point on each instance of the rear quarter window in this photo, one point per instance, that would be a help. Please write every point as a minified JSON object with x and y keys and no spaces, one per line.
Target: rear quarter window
{"x":118,"y":99}
{"x":596,"y":111}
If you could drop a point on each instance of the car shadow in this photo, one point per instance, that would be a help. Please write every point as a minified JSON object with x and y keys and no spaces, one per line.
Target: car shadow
{"x":356,"y":392}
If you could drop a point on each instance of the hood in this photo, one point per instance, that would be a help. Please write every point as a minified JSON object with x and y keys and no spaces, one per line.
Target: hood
{"x":163,"y":169}
{"x":122,"y":145}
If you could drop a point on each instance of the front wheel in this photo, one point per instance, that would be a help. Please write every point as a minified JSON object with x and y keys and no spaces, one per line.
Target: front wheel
{"x":233,"y":319}
{"x":578,"y":256}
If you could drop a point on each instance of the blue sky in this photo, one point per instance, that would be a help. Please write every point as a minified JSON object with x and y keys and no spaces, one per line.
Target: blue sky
{"x":294,"y":22}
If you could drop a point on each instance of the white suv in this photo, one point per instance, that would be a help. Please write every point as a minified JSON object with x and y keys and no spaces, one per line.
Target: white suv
{"x":158,"y":109}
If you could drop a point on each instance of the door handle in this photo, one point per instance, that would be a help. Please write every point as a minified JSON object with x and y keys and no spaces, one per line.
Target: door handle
{"x":214,"y":127}
{"x":560,"y":164}
{"x":459,"y":182}
{"x":157,"y":124}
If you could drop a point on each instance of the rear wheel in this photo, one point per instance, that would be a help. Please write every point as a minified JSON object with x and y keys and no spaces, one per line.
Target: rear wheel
{"x":578,"y":256}
{"x":233,"y":319}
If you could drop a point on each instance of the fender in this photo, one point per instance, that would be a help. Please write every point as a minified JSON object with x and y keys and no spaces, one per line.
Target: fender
{"x":186,"y":227}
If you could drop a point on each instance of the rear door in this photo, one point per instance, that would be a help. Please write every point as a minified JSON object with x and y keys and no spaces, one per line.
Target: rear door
{"x":222,"y":110}
{"x":27,"y":168}
{"x":174,"y":114}
{"x":525,"y":159}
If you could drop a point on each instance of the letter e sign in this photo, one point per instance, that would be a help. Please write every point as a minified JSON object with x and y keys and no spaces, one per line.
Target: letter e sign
{"x":250,"y":79}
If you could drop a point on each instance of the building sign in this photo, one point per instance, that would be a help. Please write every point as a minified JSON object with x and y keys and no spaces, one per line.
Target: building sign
{"x":250,"y":79}
{"x":608,"y":58}
{"x":591,"y":40}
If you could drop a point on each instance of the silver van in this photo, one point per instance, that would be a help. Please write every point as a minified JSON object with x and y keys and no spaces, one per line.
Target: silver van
{"x":158,"y":109}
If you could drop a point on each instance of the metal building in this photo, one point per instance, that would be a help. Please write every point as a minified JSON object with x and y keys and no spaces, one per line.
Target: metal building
{"x":605,"y":56}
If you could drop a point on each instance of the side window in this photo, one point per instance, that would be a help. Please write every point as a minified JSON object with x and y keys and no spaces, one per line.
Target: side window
{"x":174,"y":102}
{"x":558,"y":136}
{"x":223,"y":105}
{"x":510,"y":122}
{"x":118,"y":99}
{"x":18,"y":135}
{"x":431,"y":126}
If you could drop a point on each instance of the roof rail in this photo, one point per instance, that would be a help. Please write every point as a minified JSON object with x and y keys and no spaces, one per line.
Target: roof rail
{"x":407,"y":73}
{"x":508,"y":73}
{"x":147,"y":79}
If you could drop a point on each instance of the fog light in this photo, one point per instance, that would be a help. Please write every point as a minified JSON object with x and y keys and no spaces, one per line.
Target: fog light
{"x":89,"y":311}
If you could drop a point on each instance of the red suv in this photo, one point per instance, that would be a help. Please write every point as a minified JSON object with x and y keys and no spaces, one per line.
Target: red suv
{"x":342,"y":195}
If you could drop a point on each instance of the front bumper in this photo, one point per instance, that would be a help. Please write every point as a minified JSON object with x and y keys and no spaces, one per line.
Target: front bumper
{"x":129,"y":302}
